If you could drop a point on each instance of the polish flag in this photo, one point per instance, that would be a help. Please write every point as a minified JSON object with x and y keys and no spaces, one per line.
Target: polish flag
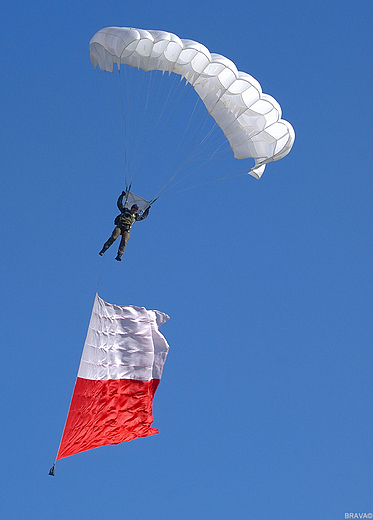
{"x":119,"y":372}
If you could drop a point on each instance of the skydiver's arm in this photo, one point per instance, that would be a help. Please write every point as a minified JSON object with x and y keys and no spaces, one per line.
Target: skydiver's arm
{"x":144,"y":215}
{"x":120,"y":201}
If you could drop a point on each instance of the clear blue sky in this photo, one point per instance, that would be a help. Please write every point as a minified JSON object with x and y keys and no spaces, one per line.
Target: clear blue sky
{"x":265,"y":406}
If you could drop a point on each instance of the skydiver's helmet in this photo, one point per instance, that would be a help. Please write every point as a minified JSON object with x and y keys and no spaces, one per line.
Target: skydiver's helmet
{"x":135,"y":207}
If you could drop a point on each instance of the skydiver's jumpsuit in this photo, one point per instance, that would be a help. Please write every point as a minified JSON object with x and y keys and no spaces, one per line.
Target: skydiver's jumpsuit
{"x":123,"y":224}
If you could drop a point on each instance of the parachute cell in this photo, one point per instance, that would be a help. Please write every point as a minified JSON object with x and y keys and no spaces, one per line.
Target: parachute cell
{"x":250,"y":120}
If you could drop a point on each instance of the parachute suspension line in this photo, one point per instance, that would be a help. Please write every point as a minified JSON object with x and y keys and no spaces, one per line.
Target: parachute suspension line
{"x":199,"y":148}
{"x":142,"y":118}
{"x":128,"y":189}
{"x":125,"y":106}
{"x":110,"y":87}
{"x":184,"y":92}
{"x":124,"y":123}
{"x":205,"y":141}
{"x":128,"y":82}
{"x":148,"y":91}
{"x":211,"y":156}
{"x":177,"y":149}
{"x":178,"y":93}
{"x":224,"y":152}
{"x":99,"y":276}
{"x":194,"y":154}
{"x":156,"y":127}
{"x":173,"y":88}
{"x":114,"y":100}
{"x":124,"y":103}
{"x":224,"y":177}
{"x":205,"y":161}
{"x":131,"y":85}
{"x":214,"y":140}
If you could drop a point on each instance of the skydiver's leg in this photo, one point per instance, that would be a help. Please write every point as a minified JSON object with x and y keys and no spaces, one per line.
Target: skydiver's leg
{"x":115,"y":234}
{"x":122,"y":245}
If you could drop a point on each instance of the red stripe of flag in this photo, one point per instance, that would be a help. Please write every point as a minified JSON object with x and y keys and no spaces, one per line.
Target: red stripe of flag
{"x":107,"y":412}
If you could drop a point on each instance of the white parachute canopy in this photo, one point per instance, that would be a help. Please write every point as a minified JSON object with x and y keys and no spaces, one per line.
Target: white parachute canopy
{"x":250,"y":120}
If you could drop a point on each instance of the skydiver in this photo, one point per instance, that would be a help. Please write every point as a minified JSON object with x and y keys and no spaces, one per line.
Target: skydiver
{"x":123,"y":224}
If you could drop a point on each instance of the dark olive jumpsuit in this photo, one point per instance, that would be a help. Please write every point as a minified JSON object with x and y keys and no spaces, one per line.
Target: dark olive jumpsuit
{"x":123,"y":224}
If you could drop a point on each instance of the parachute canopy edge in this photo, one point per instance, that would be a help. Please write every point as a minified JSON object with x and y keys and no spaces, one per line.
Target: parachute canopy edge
{"x":257,"y":171}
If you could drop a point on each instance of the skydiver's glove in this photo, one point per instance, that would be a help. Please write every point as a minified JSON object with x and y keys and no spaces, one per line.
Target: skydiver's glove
{"x":123,"y":193}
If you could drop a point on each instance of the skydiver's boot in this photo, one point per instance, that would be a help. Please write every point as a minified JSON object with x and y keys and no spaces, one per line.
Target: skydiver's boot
{"x":106,"y":246}
{"x":118,"y":257}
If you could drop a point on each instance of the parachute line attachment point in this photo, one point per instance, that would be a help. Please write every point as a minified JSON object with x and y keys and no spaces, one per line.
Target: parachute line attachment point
{"x":127,"y":191}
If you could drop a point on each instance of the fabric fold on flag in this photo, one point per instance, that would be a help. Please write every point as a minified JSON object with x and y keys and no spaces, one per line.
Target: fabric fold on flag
{"x":120,"y":369}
